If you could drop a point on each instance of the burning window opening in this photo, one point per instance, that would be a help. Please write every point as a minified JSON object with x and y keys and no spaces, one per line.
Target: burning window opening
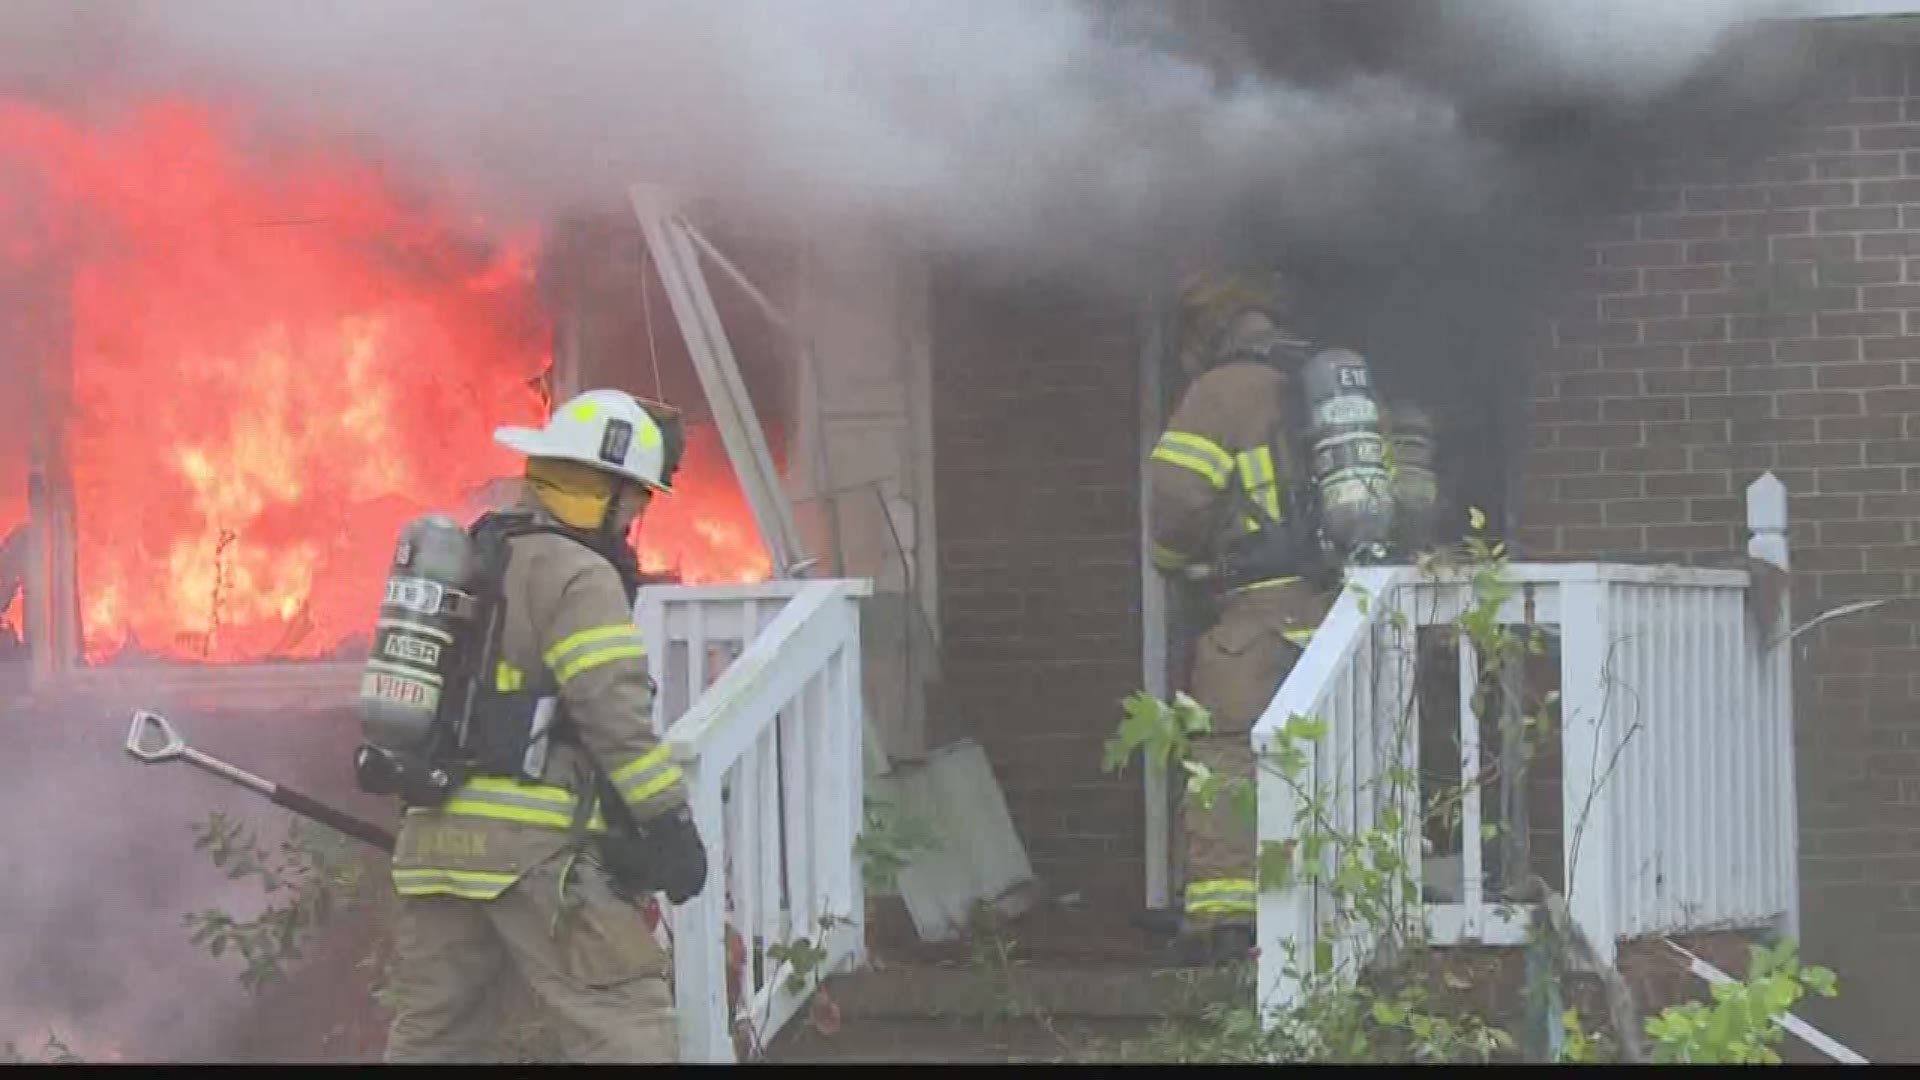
{"x":272,"y":368}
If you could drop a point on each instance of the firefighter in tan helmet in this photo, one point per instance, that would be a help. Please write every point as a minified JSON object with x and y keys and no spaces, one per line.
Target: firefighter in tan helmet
{"x":1222,"y":521}
{"x":527,"y":868}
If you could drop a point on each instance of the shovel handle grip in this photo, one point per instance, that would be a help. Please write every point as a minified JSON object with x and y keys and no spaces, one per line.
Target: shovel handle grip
{"x":358,"y":828}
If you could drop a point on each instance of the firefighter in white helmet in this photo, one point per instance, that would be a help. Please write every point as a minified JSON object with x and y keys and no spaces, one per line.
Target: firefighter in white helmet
{"x":530,"y":874}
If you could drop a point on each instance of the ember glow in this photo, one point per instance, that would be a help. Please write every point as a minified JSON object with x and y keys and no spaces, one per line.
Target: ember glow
{"x":274,"y":366}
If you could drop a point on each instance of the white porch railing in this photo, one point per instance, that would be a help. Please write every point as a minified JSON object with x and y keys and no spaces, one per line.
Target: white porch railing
{"x":759,"y":697}
{"x":1676,"y":746}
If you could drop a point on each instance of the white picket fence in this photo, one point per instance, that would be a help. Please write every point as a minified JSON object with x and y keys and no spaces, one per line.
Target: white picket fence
{"x":759,"y":698}
{"x":1677,"y":796}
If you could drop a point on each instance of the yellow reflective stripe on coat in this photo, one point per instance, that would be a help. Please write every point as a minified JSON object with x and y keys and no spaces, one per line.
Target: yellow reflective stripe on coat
{"x":1225,"y":896}
{"x":465,"y":884}
{"x":590,"y":648}
{"x":507,"y":678}
{"x":1168,"y":559}
{"x":1194,"y":452}
{"x":1257,"y":476}
{"x":646,"y":776}
{"x":623,"y":631}
{"x":501,"y":799}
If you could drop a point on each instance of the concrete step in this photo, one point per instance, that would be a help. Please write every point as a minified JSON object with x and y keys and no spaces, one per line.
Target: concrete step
{"x":985,"y":1013}
{"x":1073,"y":992}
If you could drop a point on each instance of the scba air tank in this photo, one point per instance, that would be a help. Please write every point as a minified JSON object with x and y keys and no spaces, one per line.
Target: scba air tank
{"x":1348,"y":450}
{"x":1416,"y":489}
{"x":422,"y":625}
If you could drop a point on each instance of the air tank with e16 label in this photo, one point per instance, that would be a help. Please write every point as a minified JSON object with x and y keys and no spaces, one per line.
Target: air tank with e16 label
{"x":1347,"y":446}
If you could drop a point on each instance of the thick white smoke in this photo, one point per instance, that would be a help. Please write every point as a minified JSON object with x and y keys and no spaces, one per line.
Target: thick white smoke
{"x":1056,"y":132}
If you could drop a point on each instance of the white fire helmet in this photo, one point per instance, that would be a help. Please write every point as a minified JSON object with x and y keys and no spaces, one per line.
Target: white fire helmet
{"x":606,"y":429}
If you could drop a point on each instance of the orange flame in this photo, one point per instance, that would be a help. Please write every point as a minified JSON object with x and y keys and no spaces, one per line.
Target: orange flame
{"x":274,"y":367}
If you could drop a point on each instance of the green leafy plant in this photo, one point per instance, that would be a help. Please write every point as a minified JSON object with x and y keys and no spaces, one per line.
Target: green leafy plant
{"x":887,"y":843}
{"x":305,"y":879}
{"x":1742,"y":1024}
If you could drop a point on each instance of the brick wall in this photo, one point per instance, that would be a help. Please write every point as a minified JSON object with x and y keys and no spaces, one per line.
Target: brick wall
{"x":1036,"y":453}
{"x":1765,"y":314}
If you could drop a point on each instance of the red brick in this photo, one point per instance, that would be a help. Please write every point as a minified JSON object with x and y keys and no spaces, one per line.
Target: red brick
{"x":1782,"y":377}
{"x":1887,"y":245}
{"x":1865,"y":428}
{"x":1870,"y":272}
{"x":1893,"y":401}
{"x":1821,"y":193}
{"x":1703,"y":381}
{"x":1599,"y":486}
{"x":1801,"y":505}
{"x":1905,"y":507}
{"x":1852,"y":586}
{"x":1775,"y":277}
{"x":1815,"y":455}
{"x":1683,"y":484}
{"x":1652,"y":306}
{"x":1769,"y":222}
{"x":1600,"y":435}
{"x":1798,"y":429}
{"x":1814,"y":248}
{"x":1770,"y":327}
{"x":1852,"y":112}
{"x":1644,"y":408}
{"x":1573,"y":357}
{"x":1904,"y":557}
{"x":1717,"y":510}
{"x":1728,"y":353}
{"x":1745,"y":249}
{"x":1717,"y":537}
{"x":1856,"y":376}
{"x":1685,"y":432}
{"x":1742,"y":302}
{"x":1606,"y":333}
{"x":1643,"y":357}
{"x":1728,"y":407}
{"x":1574,"y":411}
{"x":1891,"y":137}
{"x":1819,"y":403}
{"x":1562,"y":462}
{"x":1859,"y":324}
{"x":1899,"y":348}
{"x":1897,"y":452}
{"x":1605,"y":540}
{"x":1858,"y":219}
{"x":1687,"y":226}
{"x":1862,"y":480}
{"x":1645,"y":459}
{"x":1721,"y":197}
{"x":1613,"y":281}
{"x":1747,"y":457}
{"x":1876,"y":192}
{"x":1681,"y":279}
{"x":1857,"y":166}
{"x":1599,"y":384}
{"x":1644,"y":253}
{"x":1890,"y":296}
{"x":1862,"y":532}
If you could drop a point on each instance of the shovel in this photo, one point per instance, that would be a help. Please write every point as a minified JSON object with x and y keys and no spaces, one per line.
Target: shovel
{"x":152,"y":740}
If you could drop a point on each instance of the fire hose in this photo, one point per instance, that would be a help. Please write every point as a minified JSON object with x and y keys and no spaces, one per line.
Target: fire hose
{"x":152,"y":740}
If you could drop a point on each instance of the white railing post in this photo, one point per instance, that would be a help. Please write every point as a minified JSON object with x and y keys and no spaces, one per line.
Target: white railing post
{"x":1283,"y":923}
{"x":1773,"y":687}
{"x":1587,"y":742}
{"x":700,"y":943}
